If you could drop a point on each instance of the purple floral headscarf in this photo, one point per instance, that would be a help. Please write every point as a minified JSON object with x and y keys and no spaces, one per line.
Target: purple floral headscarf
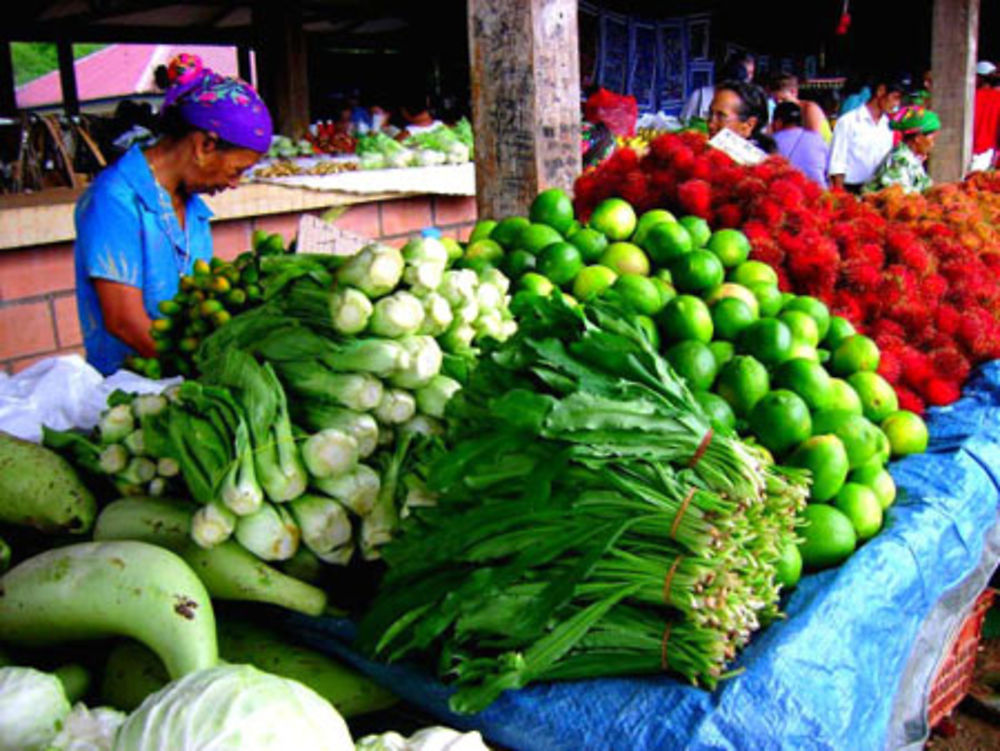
{"x":228,"y":107}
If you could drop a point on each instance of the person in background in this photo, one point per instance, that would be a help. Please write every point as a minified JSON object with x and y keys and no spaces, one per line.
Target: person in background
{"x":905,"y":164}
{"x":738,"y":67}
{"x":142,"y":223}
{"x":417,"y":116}
{"x":862,"y":138}
{"x":742,"y":108}
{"x":986,"y":118}
{"x":785,"y":88}
{"x":804,"y":148}
{"x":856,"y":93}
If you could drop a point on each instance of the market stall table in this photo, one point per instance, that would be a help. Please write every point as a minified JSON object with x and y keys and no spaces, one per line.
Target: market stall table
{"x":850,"y":667}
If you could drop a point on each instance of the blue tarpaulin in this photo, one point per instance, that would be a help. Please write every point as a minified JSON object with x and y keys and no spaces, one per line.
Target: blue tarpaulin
{"x":827,"y":676}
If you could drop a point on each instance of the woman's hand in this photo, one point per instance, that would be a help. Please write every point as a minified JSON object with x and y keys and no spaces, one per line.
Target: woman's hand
{"x":125,"y":315}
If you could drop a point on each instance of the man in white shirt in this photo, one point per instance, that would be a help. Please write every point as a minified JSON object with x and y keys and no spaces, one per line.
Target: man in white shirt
{"x":862,"y":139}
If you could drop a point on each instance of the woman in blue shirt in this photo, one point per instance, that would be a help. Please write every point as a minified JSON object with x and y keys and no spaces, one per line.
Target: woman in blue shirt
{"x":142,"y":224}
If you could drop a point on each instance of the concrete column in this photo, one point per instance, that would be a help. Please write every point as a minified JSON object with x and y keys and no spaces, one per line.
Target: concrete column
{"x":525,"y":100}
{"x":953,"y":61}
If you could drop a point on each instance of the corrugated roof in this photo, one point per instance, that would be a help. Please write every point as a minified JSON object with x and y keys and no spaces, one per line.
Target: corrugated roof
{"x":120,"y":70}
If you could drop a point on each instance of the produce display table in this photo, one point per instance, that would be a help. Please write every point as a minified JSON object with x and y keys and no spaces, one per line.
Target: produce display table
{"x":850,"y":667}
{"x":450,"y":179}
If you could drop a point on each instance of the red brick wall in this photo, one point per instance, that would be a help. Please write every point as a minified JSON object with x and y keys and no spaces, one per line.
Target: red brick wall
{"x":38,"y":316}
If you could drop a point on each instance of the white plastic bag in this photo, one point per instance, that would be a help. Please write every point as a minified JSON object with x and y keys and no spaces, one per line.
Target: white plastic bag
{"x":62,"y":393}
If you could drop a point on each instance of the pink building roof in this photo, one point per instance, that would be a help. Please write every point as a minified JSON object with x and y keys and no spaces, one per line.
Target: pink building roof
{"x":121,"y":70}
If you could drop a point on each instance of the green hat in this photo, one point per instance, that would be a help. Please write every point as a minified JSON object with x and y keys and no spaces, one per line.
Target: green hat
{"x":918,"y":120}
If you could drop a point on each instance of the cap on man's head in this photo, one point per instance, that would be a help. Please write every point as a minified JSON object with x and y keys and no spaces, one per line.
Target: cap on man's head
{"x":985,"y":68}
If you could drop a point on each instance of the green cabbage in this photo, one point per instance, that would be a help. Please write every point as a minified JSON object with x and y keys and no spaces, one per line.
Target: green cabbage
{"x":33,"y":706}
{"x":88,"y":730}
{"x":234,"y":708}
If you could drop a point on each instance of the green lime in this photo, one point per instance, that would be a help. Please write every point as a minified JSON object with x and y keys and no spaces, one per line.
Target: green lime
{"x":876,"y":477}
{"x":573,"y":227}
{"x":722,"y":351}
{"x":666,"y":241}
{"x":788,"y":570}
{"x":826,"y":459}
{"x":883,"y":449}
{"x":769,"y":340}
{"x":828,"y":536}
{"x":803,"y":351}
{"x":698,"y":229}
{"x":686,"y":317}
{"x":907,"y":433}
{"x":590,"y":243}
{"x":860,"y":504}
{"x":768,"y":298}
{"x":844,"y":397}
{"x":592,"y":281}
{"x":859,"y":435}
{"x":519,"y":263}
{"x":730,"y":316}
{"x":560,"y":262}
{"x":720,"y":414}
{"x":614,"y":217}
{"x":840,"y":329}
{"x":749,"y":272}
{"x":730,"y":289}
{"x":666,"y":290}
{"x":856,"y":353}
{"x":823,"y":355}
{"x":742,"y":382}
{"x":485,"y":251}
{"x":536,"y":237}
{"x":697,"y":271}
{"x":730,"y":245}
{"x":648,"y":326}
{"x":694,"y":362}
{"x":646,"y":222}
{"x":878,"y":398}
{"x":786,"y":297}
{"x":804,"y":328}
{"x":625,"y":258}
{"x":453,"y":247}
{"x":535,"y":283}
{"x":781,"y":421}
{"x":553,"y":207}
{"x":815,"y":309}
{"x":664,"y":275}
{"x":482,"y":230}
{"x":640,"y":292}
{"x":806,"y":378}
{"x":508,"y":230}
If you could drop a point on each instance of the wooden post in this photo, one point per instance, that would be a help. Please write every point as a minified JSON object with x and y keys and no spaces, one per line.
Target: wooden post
{"x":282,"y":67}
{"x":67,"y":78}
{"x":8,"y":97}
{"x":525,"y":100}
{"x":953,"y":63}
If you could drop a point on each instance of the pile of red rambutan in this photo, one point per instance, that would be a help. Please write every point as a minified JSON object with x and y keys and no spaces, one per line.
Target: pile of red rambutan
{"x":918,"y":273}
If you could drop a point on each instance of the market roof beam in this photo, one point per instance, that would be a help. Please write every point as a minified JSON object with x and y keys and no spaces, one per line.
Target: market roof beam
{"x":53,"y":32}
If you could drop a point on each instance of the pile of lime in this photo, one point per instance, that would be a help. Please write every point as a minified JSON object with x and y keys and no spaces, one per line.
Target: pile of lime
{"x":773,"y":366}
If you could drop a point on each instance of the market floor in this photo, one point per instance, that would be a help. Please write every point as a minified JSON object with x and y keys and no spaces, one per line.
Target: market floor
{"x":970,"y":728}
